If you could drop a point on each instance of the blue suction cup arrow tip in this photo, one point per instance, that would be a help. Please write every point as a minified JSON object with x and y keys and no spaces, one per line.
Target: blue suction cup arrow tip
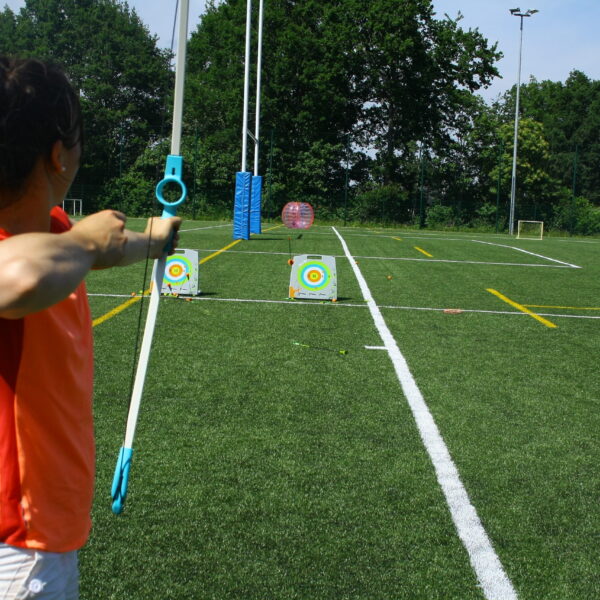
{"x":117,"y":506}
{"x":121,"y":479}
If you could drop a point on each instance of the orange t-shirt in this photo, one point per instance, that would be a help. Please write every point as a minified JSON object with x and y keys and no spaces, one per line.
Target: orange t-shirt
{"x":46,"y":424}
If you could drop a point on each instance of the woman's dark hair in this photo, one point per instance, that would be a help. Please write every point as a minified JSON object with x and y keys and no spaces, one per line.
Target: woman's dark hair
{"x":38,"y":106}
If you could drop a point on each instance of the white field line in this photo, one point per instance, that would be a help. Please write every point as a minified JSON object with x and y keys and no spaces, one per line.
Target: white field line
{"x":464,"y":262}
{"x":493,"y":312}
{"x":354,"y":232}
{"x":352,"y":305}
{"x":486,"y":564}
{"x":246,"y":252}
{"x":410,"y":259}
{"x":527,"y":252}
{"x":399,"y":234}
{"x":249,"y":300}
{"x":406,"y":234}
{"x":578,"y":241}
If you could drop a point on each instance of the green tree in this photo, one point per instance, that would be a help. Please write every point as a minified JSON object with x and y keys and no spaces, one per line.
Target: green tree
{"x":305,"y":94}
{"x":346,"y":84}
{"x":536,"y":190}
{"x":111,"y":57}
{"x":415,"y":71}
{"x":570,"y":114}
{"x":460,"y":168}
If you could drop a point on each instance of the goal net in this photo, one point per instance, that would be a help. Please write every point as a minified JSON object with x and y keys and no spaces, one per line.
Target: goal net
{"x":73,"y":206}
{"x":530,"y":230}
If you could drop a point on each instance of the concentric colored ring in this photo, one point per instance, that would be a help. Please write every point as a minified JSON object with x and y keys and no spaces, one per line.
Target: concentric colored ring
{"x":314,"y":275}
{"x":177,"y":270}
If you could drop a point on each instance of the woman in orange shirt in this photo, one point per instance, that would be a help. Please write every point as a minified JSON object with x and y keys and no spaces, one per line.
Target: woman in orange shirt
{"x":46,"y":354}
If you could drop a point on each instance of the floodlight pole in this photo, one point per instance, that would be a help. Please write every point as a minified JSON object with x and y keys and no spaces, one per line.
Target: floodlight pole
{"x":513,"y":183}
{"x":246,"y":84}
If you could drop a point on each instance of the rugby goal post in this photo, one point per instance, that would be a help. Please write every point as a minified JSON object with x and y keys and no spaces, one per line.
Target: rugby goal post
{"x":530,"y":230}
{"x":74,"y":204}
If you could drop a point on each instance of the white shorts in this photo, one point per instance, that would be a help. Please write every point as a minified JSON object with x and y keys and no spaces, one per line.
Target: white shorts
{"x":37,"y":575}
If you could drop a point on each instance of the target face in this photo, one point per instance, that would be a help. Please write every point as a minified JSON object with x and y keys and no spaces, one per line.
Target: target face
{"x":314,"y":275}
{"x":177,"y":270}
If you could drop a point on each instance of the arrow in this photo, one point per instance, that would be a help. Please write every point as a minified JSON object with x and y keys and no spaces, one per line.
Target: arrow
{"x":319,"y":348}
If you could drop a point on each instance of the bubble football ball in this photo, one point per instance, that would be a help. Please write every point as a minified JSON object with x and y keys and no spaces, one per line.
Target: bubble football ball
{"x":297,"y":215}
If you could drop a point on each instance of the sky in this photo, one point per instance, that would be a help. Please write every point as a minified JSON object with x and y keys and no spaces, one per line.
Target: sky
{"x":561,"y":37}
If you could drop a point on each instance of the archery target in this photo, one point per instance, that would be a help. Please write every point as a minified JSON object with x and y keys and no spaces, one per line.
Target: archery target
{"x":177,"y":270}
{"x":313,"y":277}
{"x":181,"y":273}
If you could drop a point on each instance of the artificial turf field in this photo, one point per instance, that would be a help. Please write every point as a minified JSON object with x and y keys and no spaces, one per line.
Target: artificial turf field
{"x":265,"y":469}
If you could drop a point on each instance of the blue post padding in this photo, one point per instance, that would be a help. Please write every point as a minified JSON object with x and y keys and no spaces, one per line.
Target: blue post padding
{"x":255,"y":204}
{"x":241,"y":207}
{"x":121,"y":479}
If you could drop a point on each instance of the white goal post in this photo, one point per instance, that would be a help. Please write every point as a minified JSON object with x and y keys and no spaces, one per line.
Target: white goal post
{"x":530,"y":230}
{"x":75,"y":204}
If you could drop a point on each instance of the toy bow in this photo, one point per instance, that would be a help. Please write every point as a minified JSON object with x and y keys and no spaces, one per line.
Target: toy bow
{"x":173,"y":174}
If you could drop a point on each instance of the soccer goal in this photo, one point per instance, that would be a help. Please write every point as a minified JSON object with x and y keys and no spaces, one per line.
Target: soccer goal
{"x":530,"y":230}
{"x":74,"y":204}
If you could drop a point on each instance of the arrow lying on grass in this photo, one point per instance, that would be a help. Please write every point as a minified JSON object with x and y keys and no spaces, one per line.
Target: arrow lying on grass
{"x":319,"y":348}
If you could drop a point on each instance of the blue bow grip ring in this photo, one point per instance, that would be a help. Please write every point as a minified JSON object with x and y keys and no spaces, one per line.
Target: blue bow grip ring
{"x":173,"y":173}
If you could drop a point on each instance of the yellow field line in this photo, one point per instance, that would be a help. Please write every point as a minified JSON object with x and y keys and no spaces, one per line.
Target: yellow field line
{"x":128,"y":303}
{"x":115,"y":311}
{"x":563,"y":307}
{"x":521,"y":308}
{"x":423,"y":251}
{"x":399,"y":239}
{"x":207,"y":258}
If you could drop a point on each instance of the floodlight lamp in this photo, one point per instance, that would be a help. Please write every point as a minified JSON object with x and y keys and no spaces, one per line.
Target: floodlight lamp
{"x":532,"y":11}
{"x":514,"y":10}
